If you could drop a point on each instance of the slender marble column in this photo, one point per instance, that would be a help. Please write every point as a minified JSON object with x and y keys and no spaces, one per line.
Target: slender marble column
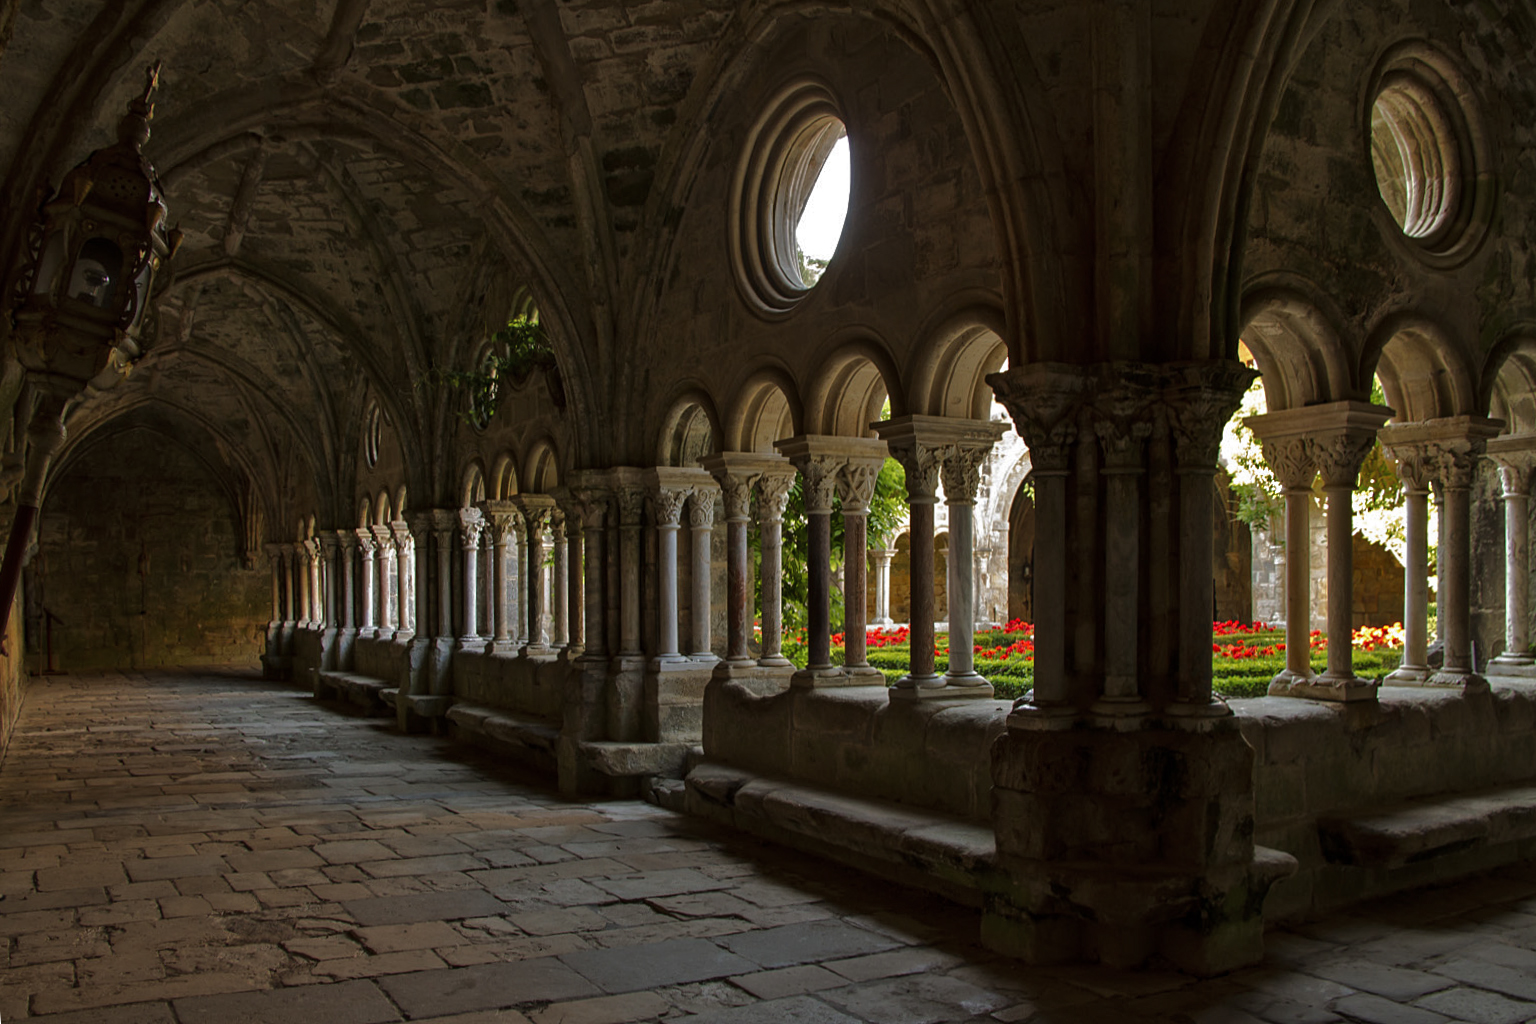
{"x":348,"y":541}
{"x":471,"y":523}
{"x":404,"y":558}
{"x":1339,"y":455}
{"x":818,"y":475}
{"x":701,"y":524}
{"x":1290,"y":460}
{"x":444,"y":526}
{"x":961,"y":473}
{"x":736,"y":491}
{"x":594,"y":514}
{"x":921,"y":462}
{"x":505,"y":522}
{"x":559,"y":598}
{"x":667,"y":506}
{"x":384,"y":556}
{"x":328,"y":550}
{"x":487,"y":594}
{"x":1415,"y":470}
{"x":1457,"y":463}
{"x":312,"y":580}
{"x":575,"y":600}
{"x":275,"y":556}
{"x":367,"y":546}
{"x":301,"y":579}
{"x":855,"y":490}
{"x":883,"y":558}
{"x":537,"y":521}
{"x":1515,"y":471}
{"x":421,"y":575}
{"x":772,"y":498}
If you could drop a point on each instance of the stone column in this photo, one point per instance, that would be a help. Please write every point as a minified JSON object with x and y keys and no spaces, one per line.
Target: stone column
{"x":559,"y":598}
{"x":504,"y":522}
{"x":921,"y":463}
{"x":1457,"y":463}
{"x":738,"y":473}
{"x":367,"y":546}
{"x":290,"y":594}
{"x":594,"y":517}
{"x":855,"y":490}
{"x":1516,"y":456}
{"x":487,"y":593}
{"x":883,"y":558}
{"x":961,"y":475}
{"x":576,"y":604}
{"x":818,"y":481}
{"x":471,"y":524}
{"x":631,"y":499}
{"x":701,"y":526}
{"x":1415,"y":470}
{"x":1198,"y":408}
{"x":275,"y":555}
{"x":537,"y":510}
{"x":421,"y":575}
{"x":404,"y":558}
{"x":311,"y":549}
{"x":667,"y":508}
{"x":328,"y":548}
{"x":385,"y":568}
{"x":1335,"y":439}
{"x":772,"y":498}
{"x":445,"y":524}
{"x":300,"y":564}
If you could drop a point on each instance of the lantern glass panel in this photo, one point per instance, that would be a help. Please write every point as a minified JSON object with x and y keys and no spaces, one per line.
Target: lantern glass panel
{"x":49,"y":264}
{"x":96,"y":273}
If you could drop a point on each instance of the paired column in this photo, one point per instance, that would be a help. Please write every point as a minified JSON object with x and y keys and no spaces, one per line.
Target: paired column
{"x":739,"y":475}
{"x":328,"y":582}
{"x":505,"y":521}
{"x":961,"y":475}
{"x":1334,"y":439}
{"x":559,"y":596}
{"x":384,"y":570}
{"x":1516,"y":456}
{"x":445,"y":525}
{"x":537,"y":512}
{"x":594,"y":504}
{"x":367,"y":546}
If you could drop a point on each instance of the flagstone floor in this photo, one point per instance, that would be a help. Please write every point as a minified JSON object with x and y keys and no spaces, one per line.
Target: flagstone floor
{"x":208,"y":848}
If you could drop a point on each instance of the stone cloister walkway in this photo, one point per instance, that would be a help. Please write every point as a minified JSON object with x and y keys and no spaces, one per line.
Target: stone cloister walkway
{"x":211,"y":848}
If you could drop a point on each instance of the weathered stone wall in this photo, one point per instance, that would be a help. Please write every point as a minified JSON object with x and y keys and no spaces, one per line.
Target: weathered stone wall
{"x":1487,"y":597}
{"x":139,"y":557}
{"x":1378,"y":588}
{"x":1378,"y":577}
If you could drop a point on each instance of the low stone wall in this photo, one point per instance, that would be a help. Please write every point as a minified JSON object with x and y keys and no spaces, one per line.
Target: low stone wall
{"x":380,"y":659}
{"x":521,"y":685}
{"x":1317,"y":763}
{"x":856,"y":741}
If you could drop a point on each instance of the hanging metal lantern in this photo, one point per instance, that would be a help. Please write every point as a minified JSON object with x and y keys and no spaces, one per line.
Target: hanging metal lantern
{"x":83,"y":293}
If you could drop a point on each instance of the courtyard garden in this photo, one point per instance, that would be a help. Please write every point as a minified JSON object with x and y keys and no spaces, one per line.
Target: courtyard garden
{"x":1244,"y":657}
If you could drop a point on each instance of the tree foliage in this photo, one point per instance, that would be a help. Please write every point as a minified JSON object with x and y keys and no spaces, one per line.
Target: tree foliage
{"x":514,"y":352}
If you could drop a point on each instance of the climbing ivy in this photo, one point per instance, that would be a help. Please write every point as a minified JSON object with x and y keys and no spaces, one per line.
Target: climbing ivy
{"x":514,"y":352}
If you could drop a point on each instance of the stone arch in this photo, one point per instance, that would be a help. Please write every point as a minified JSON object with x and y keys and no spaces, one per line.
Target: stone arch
{"x":690,"y":431}
{"x":1298,"y":346}
{"x":504,"y":477}
{"x":472,"y":490}
{"x":542,"y":468}
{"x":1508,"y":387}
{"x":365,"y":512}
{"x":950,"y":376}
{"x":1421,"y":372}
{"x":851,"y":386}
{"x":400,"y":496}
{"x":383,"y":514}
{"x":767,"y":409}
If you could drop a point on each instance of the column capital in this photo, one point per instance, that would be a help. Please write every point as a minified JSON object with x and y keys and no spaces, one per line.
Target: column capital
{"x":1044,"y":400}
{"x":961,"y":473}
{"x":856,"y":485}
{"x":701,"y":506}
{"x":347,"y":539}
{"x":922,"y":444}
{"x":1200,"y":400}
{"x":503,"y":517}
{"x":420,"y":523}
{"x":819,"y":474}
{"x":738,"y":472}
{"x":592,"y":505}
{"x":668,"y":489}
{"x":773,"y":494}
{"x":383,"y":535}
{"x":1516,"y":457}
{"x":402,"y":536}
{"x":366,"y":541}
{"x":329,"y":542}
{"x":471,"y":523}
{"x":1122,"y":415}
{"x":1336,"y":438}
{"x":1451,"y":444}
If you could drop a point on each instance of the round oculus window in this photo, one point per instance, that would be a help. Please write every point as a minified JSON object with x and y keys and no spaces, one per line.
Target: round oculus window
{"x":790,"y":198}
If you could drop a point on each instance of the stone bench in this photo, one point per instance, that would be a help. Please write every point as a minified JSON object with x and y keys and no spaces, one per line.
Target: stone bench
{"x":949,"y":855}
{"x":528,"y":738}
{"x":364,"y":691}
{"x":1420,"y":830}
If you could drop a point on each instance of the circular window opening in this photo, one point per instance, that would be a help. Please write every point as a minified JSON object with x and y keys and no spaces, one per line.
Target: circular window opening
{"x":1416,"y":157}
{"x":790,"y":196}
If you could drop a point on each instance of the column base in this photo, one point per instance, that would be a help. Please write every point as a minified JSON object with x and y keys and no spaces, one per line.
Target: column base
{"x":1465,"y":680}
{"x":403,"y":636}
{"x":1512,"y":669}
{"x":667,"y":661}
{"x":864,"y":675}
{"x":704,"y":658}
{"x":775,"y":661}
{"x":924,"y":688}
{"x":1114,"y":713}
{"x":1409,"y":675}
{"x":507,"y":647}
{"x":539,"y":652}
{"x":822,"y":678}
{"x":1324,"y":687}
{"x":473,"y":644}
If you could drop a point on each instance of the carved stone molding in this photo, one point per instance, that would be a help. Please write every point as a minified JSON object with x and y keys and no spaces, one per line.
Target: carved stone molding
{"x":736,"y":491}
{"x":921,"y":463}
{"x":1339,"y":454}
{"x":1416,"y":466}
{"x":961,"y":473}
{"x":1044,"y":399}
{"x":366,"y":542}
{"x":667,"y":505}
{"x":1290,"y":460}
{"x":471,"y":523}
{"x":819,"y":473}
{"x":701,"y":508}
{"x":773,"y":495}
{"x":856,"y":486}
{"x":631,"y":501}
{"x":1200,"y":402}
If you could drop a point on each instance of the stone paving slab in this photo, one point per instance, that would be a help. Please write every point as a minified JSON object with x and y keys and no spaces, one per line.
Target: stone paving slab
{"x":227,"y":850}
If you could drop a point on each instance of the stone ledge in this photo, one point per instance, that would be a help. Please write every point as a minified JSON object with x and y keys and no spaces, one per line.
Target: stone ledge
{"x":1421,"y":830}
{"x":428,"y":705}
{"x":533,"y":741}
{"x":948,"y":855}
{"x":625,"y":760}
{"x":364,"y":691}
